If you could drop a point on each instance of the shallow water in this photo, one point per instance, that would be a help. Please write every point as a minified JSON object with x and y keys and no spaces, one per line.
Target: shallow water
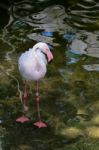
{"x":70,"y":90}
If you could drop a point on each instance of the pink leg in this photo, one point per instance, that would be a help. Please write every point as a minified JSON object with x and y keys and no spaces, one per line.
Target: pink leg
{"x":39,"y":124}
{"x":25,"y":97}
{"x":24,"y":118}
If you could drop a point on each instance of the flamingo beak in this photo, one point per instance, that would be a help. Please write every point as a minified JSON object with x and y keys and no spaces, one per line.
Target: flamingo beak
{"x":49,"y":56}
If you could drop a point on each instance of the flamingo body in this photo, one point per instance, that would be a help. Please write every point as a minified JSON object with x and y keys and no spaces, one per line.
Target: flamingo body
{"x":32,"y":63}
{"x":32,"y":66}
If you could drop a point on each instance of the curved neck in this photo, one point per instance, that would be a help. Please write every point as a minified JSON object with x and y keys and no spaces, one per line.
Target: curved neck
{"x":39,"y":55}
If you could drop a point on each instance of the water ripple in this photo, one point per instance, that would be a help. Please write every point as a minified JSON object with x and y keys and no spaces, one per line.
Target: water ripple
{"x":84,"y":15}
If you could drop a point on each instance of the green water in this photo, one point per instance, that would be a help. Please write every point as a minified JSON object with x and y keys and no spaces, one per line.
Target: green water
{"x":70,"y":90}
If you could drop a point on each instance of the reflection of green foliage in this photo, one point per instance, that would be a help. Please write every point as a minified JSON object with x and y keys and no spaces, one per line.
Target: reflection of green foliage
{"x":69,"y":103}
{"x":7,"y":90}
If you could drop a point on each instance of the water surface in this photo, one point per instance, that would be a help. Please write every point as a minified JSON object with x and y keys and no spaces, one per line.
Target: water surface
{"x":70,"y":90}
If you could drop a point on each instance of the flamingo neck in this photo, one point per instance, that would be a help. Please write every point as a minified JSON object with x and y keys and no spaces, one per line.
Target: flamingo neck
{"x":40,"y":56}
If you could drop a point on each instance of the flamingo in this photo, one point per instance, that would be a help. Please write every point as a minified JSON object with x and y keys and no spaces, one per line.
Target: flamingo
{"x":33,"y":67}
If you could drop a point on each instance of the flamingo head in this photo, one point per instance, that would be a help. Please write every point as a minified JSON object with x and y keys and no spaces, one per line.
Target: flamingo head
{"x":45,"y":50}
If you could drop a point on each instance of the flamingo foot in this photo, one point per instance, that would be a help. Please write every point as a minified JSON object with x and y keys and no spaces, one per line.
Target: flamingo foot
{"x":40,"y":124}
{"x":22,"y":119}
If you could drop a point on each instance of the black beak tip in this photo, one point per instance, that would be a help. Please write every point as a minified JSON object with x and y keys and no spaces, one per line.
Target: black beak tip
{"x":50,"y":61}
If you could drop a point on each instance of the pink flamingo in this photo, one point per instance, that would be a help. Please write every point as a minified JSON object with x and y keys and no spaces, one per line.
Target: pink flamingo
{"x":32,"y":66}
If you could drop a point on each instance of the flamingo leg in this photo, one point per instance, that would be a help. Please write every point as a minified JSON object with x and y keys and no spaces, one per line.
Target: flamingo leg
{"x":38,"y":101}
{"x":25,"y":98}
{"x":24,"y":118}
{"x":39,"y":123}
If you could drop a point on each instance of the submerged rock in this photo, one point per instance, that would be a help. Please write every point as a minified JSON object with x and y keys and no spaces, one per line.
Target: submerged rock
{"x":71,"y":132}
{"x":92,"y":132}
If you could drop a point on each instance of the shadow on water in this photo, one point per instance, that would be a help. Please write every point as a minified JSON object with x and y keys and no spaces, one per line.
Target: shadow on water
{"x":70,"y":90}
